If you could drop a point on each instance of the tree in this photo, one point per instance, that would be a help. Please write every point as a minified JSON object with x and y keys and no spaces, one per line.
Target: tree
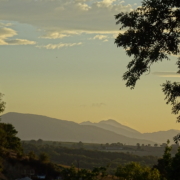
{"x":152,"y":34}
{"x":138,"y":146}
{"x":134,"y":171}
{"x":168,"y":166}
{"x":175,"y":166}
{"x":172,"y":92}
{"x":32,"y":155}
{"x":2,"y":104}
{"x":44,"y":157}
{"x":80,"y":145}
{"x":40,"y":141}
{"x":8,"y":139}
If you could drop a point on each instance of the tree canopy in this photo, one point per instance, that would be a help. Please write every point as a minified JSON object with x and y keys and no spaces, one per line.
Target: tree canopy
{"x":2,"y":104}
{"x":8,"y":138}
{"x":137,"y":172}
{"x":151,"y":33}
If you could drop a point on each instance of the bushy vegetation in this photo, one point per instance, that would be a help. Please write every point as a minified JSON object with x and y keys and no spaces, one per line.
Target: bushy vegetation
{"x":8,"y":139}
{"x":137,"y":172}
{"x":86,"y":158}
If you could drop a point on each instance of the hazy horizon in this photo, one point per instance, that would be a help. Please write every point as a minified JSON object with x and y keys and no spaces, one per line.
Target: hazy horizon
{"x":101,"y":120}
{"x":58,"y":59}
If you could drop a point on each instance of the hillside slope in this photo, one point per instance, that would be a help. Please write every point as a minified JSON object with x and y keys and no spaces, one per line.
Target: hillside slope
{"x":114,"y":126}
{"x":32,"y":126}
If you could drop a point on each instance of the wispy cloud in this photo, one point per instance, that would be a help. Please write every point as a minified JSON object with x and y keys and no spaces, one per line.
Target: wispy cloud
{"x":60,"y":45}
{"x":54,"y":35}
{"x":6,"y":33}
{"x":67,"y":15}
{"x":167,"y":74}
{"x":100,"y":37}
{"x":20,"y":42}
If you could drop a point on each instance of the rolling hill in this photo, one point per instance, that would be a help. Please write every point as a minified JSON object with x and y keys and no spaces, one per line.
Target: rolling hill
{"x":30,"y":126}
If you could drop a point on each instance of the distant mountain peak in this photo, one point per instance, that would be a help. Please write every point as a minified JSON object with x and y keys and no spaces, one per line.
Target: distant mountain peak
{"x":110,"y":121}
{"x":86,"y":123}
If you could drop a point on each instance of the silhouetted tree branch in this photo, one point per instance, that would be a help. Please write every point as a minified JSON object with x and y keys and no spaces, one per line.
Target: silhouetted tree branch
{"x":151,"y":34}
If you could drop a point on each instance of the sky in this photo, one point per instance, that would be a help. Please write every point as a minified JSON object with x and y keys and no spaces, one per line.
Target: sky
{"x":58,"y":59}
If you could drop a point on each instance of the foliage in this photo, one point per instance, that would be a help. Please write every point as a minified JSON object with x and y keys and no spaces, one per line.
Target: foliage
{"x":134,"y":171}
{"x":152,"y":33}
{"x":1,"y":166}
{"x":164,"y":164}
{"x":43,"y":157}
{"x":13,"y":167}
{"x":86,"y":159}
{"x":168,"y":165}
{"x":175,"y":167}
{"x":172,"y":92}
{"x":75,"y":174}
{"x":8,"y":139}
{"x":32,"y":155}
{"x":2,"y":104}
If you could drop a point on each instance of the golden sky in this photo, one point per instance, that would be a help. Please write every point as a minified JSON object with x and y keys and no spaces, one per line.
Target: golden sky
{"x":66,"y":65}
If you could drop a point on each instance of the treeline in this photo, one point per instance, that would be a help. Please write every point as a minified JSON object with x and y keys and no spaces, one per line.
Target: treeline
{"x":86,"y":158}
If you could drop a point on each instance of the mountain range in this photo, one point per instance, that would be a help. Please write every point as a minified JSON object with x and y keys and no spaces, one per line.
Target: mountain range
{"x":30,"y":126}
{"x":114,"y":126}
